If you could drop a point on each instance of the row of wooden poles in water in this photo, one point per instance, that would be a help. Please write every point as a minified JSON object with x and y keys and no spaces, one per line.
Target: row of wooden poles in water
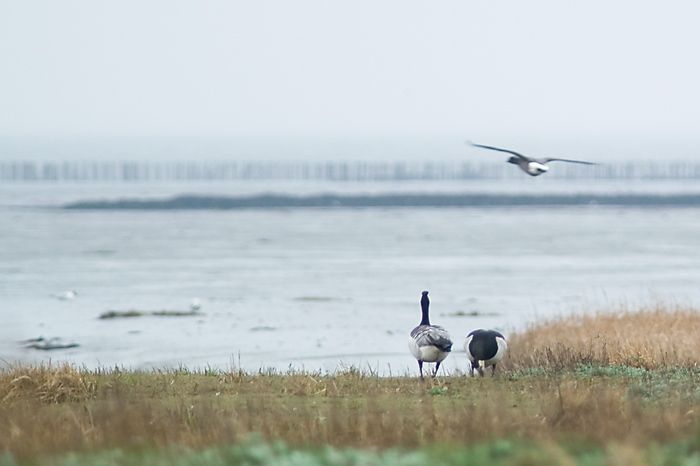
{"x":332,"y":171}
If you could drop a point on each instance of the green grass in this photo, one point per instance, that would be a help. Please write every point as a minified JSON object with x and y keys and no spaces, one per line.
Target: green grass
{"x":253,"y":451}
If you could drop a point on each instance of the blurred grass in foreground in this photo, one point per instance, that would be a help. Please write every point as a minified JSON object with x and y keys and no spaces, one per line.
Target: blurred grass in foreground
{"x":254,"y":452}
{"x":603,"y":389}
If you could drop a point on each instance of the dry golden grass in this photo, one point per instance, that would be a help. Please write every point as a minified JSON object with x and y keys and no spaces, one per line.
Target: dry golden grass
{"x":649,"y":338}
{"x":45,"y":383}
{"x":194,"y":410}
{"x":48,"y":410}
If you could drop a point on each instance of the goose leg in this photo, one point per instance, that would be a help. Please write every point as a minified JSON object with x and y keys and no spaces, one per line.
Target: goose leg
{"x":420,"y":368}
{"x":437,"y":366}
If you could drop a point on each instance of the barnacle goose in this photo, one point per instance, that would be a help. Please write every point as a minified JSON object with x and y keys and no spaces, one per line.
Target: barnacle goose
{"x":485,"y":348}
{"x":530,"y":165}
{"x":429,"y":343}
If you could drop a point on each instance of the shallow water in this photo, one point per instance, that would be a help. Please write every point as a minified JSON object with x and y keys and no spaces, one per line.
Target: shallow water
{"x":317,"y":288}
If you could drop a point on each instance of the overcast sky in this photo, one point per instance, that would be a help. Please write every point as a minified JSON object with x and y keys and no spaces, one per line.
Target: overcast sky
{"x":500,"y":72}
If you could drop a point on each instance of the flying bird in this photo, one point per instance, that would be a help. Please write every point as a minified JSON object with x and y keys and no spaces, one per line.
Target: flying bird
{"x":485,"y":348}
{"x":530,"y":165}
{"x":429,"y":343}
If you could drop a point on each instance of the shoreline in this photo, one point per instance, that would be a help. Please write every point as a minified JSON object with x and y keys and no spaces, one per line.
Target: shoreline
{"x":271,"y":201}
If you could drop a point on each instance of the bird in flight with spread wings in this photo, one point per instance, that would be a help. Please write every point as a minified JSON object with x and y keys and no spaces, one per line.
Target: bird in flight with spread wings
{"x":530,"y":165}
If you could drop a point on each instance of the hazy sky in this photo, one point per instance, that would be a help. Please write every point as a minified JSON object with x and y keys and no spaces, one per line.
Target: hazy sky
{"x":499,"y":71}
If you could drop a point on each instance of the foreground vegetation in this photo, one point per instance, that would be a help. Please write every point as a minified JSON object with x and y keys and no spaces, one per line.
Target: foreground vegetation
{"x":619,"y":388}
{"x":253,"y":452}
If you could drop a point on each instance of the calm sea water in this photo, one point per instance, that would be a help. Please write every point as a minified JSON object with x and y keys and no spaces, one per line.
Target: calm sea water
{"x":320,"y":288}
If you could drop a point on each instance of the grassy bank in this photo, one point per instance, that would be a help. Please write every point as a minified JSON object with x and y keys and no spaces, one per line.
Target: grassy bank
{"x":571,"y":390}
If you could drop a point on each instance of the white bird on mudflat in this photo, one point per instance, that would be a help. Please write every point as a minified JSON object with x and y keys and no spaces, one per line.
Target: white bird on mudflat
{"x":66,"y":295}
{"x":485,"y":348}
{"x":530,"y":165}
{"x":429,"y":343}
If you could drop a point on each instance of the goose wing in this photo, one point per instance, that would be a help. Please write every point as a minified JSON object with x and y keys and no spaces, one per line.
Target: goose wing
{"x":432,"y":335}
{"x":499,"y":149}
{"x":543,"y":161}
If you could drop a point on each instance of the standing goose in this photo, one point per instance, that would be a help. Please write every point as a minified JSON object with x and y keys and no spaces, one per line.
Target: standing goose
{"x":529,"y":165}
{"x":485,"y":348}
{"x":429,"y":343}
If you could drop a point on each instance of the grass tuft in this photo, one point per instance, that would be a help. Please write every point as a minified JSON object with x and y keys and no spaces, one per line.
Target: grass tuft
{"x":46,"y":383}
{"x":650,"y":338}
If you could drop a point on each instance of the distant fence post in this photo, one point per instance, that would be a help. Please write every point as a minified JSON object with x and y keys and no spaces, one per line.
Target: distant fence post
{"x":181,"y":171}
